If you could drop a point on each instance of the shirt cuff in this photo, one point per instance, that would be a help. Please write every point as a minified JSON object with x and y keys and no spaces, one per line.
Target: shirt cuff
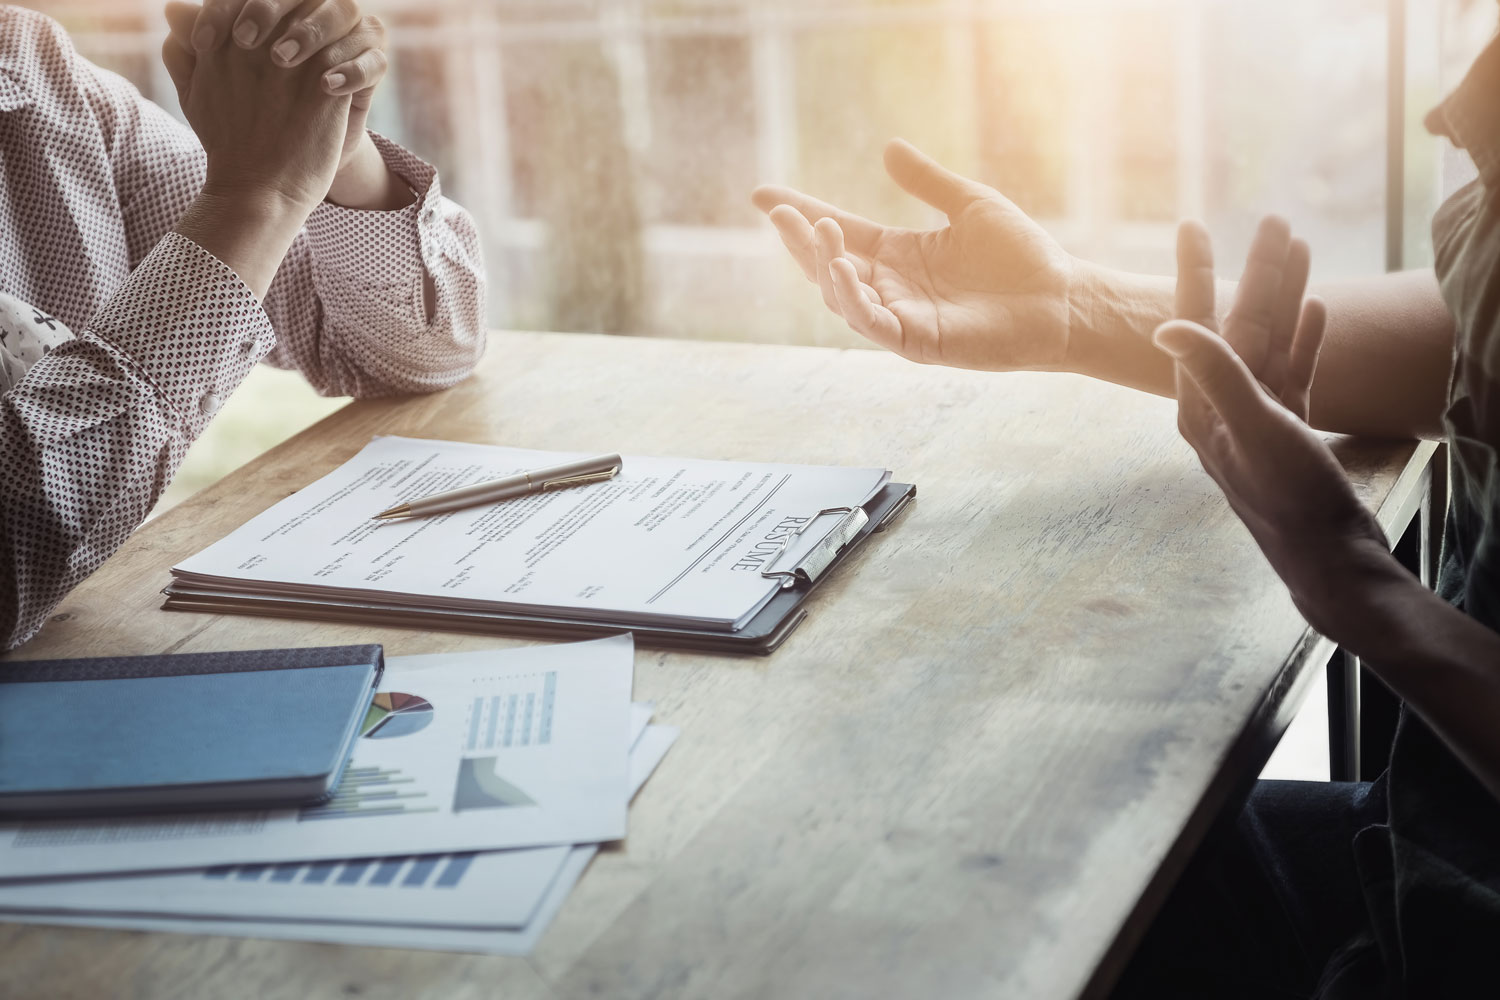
{"x":407,"y":238}
{"x":186,"y":324}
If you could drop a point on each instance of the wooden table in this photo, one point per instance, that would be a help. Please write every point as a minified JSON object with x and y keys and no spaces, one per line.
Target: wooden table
{"x":973,"y":771}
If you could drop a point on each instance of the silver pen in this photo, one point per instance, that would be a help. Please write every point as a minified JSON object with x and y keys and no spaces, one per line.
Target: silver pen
{"x":581,"y":473}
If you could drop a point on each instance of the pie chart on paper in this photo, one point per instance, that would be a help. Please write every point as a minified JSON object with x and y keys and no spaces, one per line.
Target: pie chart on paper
{"x":393,"y":714}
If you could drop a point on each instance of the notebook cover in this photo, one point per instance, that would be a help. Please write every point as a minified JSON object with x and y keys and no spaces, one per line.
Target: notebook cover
{"x":202,"y":729}
{"x":762,"y":635}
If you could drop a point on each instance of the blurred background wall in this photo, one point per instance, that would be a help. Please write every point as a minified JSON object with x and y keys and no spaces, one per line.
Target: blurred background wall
{"x":607,"y":148}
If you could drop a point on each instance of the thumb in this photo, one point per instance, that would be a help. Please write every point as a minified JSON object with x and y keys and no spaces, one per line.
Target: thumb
{"x":1217,"y":371}
{"x":177,"y":52}
{"x":180,"y":67}
{"x":180,"y":19}
{"x":923,"y":177}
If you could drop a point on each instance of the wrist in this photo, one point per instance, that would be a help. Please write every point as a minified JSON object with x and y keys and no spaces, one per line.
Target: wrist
{"x":364,"y":181}
{"x":1111,"y":316}
{"x":1355,"y":596}
{"x":235,"y":201}
{"x":1088,"y":291}
{"x":235,"y":189}
{"x":249,"y":229}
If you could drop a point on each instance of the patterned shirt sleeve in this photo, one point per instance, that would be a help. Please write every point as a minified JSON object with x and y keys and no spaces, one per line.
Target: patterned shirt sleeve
{"x":97,"y":427}
{"x":348,"y":302}
{"x":95,"y":430}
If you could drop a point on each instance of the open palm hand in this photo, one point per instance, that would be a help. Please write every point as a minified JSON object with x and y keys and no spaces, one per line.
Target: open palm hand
{"x":1243,"y":398}
{"x":990,"y":290}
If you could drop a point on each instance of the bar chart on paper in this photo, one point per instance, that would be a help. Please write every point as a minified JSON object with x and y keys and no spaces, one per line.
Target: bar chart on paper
{"x":519,"y":716}
{"x":371,"y":791}
{"x":435,"y":871}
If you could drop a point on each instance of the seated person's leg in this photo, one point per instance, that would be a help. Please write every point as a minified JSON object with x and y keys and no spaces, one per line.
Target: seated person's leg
{"x":1260,"y":910}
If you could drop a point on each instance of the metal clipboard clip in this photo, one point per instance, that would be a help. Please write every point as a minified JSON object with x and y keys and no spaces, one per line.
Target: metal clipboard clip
{"x":821,"y":556}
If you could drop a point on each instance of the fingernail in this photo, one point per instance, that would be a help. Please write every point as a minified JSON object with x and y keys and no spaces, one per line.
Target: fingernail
{"x":203,"y":38}
{"x":246,"y":33}
{"x":334,"y":80}
{"x":286,"y":50}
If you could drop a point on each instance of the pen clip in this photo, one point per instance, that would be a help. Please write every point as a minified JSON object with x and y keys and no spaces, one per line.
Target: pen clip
{"x":592,"y":477}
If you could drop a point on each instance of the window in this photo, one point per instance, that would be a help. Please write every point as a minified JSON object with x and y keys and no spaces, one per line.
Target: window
{"x":607,"y":147}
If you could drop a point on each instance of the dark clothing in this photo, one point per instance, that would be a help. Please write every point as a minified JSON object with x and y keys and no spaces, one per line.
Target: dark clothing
{"x":1466,"y":240}
{"x":1330,"y":891}
{"x":1390,"y":889}
{"x":1261,"y":914}
{"x":1431,"y":873}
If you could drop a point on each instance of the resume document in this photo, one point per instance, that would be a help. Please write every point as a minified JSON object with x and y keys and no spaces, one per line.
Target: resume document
{"x":668,"y":541}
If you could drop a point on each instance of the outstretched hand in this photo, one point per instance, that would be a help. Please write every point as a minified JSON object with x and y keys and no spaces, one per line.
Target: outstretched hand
{"x":1251,"y":433}
{"x":990,"y":290}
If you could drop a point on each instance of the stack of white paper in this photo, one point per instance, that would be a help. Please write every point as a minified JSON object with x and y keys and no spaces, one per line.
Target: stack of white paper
{"x":476,"y":798}
{"x":668,"y":542}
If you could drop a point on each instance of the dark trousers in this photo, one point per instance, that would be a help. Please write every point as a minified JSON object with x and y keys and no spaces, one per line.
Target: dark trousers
{"x":1264,"y":907}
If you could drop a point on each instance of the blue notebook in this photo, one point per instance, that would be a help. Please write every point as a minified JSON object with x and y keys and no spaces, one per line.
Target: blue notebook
{"x":248,"y":729}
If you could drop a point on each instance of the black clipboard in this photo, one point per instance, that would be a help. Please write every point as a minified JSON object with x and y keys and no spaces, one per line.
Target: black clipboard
{"x":762,"y":635}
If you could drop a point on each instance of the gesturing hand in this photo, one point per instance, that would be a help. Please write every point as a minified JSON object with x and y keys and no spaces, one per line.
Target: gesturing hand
{"x":332,"y":39}
{"x":1252,"y":435}
{"x":989,"y":290}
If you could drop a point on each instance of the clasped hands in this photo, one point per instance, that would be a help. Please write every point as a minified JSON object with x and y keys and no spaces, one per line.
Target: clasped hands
{"x":278,"y":92}
{"x":993,"y":290}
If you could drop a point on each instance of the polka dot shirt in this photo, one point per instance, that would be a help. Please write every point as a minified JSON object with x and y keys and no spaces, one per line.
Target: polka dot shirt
{"x":93,"y":426}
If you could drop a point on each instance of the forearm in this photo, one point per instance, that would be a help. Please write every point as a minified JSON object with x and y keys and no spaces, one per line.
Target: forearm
{"x":1383,"y":370}
{"x":1443,"y":663}
{"x":100,"y":424}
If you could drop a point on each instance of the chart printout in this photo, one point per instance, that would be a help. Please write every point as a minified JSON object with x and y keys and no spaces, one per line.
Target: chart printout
{"x":420,"y":791}
{"x":475,"y":889}
{"x":665,"y":540}
{"x":649,"y":751}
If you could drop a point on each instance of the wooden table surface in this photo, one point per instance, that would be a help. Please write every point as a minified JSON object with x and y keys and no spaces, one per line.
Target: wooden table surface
{"x":972,"y":772}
